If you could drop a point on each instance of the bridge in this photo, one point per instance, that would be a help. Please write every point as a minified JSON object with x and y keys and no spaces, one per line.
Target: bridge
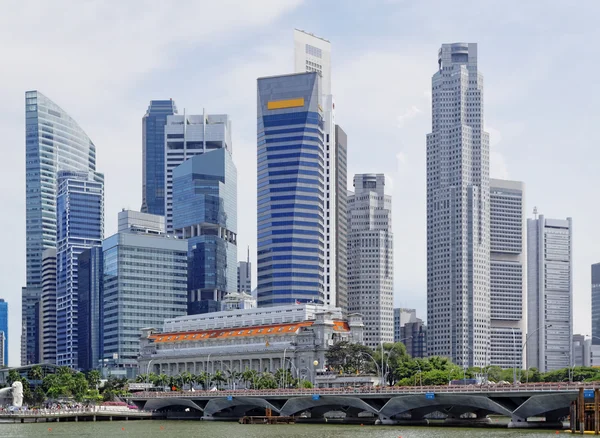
{"x":388,"y":405}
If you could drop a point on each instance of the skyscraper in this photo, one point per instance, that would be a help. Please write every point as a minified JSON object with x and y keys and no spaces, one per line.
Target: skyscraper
{"x":371,"y":258}
{"x":153,"y":155}
{"x":507,"y":273}
{"x":187,"y":136}
{"x":54,"y":142}
{"x":4,"y":331}
{"x":596,"y":304}
{"x":341,"y":218}
{"x":291,"y":190}
{"x":244,"y":275}
{"x":144,"y":283}
{"x":205,"y":213}
{"x":313,"y":54}
{"x":458,"y":209}
{"x":80,"y":220}
{"x":47,"y":326}
{"x":549,"y":293}
{"x":90,"y":309}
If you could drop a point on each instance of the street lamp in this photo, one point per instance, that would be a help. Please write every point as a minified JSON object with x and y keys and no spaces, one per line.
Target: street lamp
{"x":206,"y":376}
{"x":525,"y":343}
{"x":148,"y":370}
{"x":389,"y":352}
{"x":314,"y":373}
{"x":375,"y":362}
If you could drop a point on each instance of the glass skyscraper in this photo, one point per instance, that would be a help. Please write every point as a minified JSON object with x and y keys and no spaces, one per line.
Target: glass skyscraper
{"x":153,"y":155}
{"x":145,"y":282}
{"x":4,"y":330}
{"x":89,"y":308}
{"x":291,"y":189}
{"x":80,"y":220}
{"x":205,"y":213}
{"x":54,"y":142}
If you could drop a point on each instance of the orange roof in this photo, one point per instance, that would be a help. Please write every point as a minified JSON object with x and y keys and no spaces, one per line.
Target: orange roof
{"x":261,"y":330}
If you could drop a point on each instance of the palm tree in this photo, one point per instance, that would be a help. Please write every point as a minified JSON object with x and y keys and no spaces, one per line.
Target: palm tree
{"x":162,"y":380}
{"x":141,"y":378}
{"x":185,"y":378}
{"x":219,"y":378}
{"x":204,"y":378}
{"x":233,"y":377}
{"x":250,"y":377}
{"x":36,"y":373}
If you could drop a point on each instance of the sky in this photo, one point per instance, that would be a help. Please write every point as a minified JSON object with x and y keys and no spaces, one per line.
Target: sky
{"x":102,"y":62}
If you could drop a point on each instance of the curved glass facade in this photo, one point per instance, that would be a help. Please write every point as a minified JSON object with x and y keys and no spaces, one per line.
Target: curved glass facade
{"x":53,"y":142}
{"x":291,"y":187}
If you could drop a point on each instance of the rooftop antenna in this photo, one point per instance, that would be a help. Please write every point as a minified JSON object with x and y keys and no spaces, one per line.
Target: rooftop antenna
{"x":535,"y":212}
{"x":248,"y":259}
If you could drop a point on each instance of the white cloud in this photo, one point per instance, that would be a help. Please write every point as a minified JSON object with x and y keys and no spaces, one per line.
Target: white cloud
{"x":411,"y":113}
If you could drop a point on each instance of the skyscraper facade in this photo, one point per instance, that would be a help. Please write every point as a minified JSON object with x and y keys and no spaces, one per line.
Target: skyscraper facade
{"x":596,"y":304}
{"x":313,"y":54}
{"x":205,"y":214}
{"x":549,"y":293}
{"x":458,"y":209}
{"x":341,"y":218}
{"x":371,"y":258}
{"x":4,"y":331}
{"x":80,"y":220}
{"x":291,"y":190}
{"x":187,"y":136}
{"x":508,"y":287}
{"x":244,"y":275}
{"x":54,"y":142}
{"x":47,"y":326}
{"x":90,"y":311}
{"x":145,"y":282}
{"x":153,"y":155}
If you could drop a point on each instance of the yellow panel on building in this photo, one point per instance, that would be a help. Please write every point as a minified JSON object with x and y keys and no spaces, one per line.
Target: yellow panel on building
{"x":288,"y":103}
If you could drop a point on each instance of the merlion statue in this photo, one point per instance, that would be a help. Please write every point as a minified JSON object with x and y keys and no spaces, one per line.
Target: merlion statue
{"x":17,"y":394}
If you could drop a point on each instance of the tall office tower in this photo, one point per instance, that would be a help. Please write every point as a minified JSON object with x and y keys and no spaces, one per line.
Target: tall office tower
{"x":549,"y":293}
{"x":313,"y":54}
{"x":53,"y":142}
{"x":4,"y":331}
{"x":244,"y":275}
{"x":371,"y":258}
{"x":185,"y":137}
{"x":153,"y":155}
{"x":144,"y":283}
{"x":596,"y":304}
{"x":458,"y":210}
{"x":205,"y":213}
{"x":341,"y":218}
{"x":90,"y":308}
{"x":47,"y":326}
{"x":581,"y":348}
{"x":135,"y":221}
{"x":507,"y":273}
{"x":80,"y":225}
{"x":291,"y":190}
{"x":401,"y":317}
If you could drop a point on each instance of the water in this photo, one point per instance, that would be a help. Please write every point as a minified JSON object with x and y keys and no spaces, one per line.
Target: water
{"x":185,"y":429}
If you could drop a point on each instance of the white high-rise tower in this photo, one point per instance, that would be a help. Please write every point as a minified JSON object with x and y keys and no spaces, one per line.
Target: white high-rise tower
{"x":458,"y":212}
{"x":313,"y":54}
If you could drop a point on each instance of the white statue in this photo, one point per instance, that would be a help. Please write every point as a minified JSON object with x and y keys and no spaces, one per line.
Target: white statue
{"x":17,"y":394}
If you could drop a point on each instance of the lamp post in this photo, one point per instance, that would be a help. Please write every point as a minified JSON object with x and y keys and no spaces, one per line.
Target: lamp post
{"x":282,"y":381}
{"x":206,"y":377}
{"x":148,"y":370}
{"x":514,"y":357}
{"x":525,"y":343}
{"x":389,"y":352}
{"x":375,"y":362}
{"x":293,"y":367}
{"x":314,"y":373}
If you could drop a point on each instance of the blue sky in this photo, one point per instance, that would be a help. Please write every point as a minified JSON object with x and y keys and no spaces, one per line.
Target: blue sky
{"x":103,"y":61}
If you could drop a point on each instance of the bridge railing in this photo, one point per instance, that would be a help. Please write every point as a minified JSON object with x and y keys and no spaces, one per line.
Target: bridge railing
{"x":388,"y":390}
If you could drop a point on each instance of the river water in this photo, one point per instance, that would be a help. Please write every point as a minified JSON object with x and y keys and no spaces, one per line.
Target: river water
{"x":185,"y":429}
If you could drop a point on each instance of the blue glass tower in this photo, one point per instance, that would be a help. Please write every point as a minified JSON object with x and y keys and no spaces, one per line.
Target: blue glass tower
{"x":90,"y":313}
{"x":291,"y":186}
{"x":53,"y":142}
{"x":205,"y":213}
{"x":4,"y":329}
{"x":80,"y":217}
{"x":153,"y":158}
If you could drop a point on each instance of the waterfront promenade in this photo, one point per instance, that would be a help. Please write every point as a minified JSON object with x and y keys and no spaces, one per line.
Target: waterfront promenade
{"x":93,"y":413}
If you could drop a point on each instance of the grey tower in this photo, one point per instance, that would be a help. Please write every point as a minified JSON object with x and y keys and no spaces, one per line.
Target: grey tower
{"x":596,"y":304}
{"x":458,"y":210}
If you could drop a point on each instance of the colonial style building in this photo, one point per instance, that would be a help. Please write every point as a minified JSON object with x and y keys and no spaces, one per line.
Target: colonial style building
{"x":265,"y":339}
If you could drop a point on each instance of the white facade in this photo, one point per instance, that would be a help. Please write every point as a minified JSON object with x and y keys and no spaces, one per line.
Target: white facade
{"x":458,"y":209}
{"x":130,"y":220}
{"x":238,"y":300}
{"x":507,"y":273}
{"x":371,"y":258}
{"x":549,"y":293}
{"x":313,"y":54}
{"x":186,"y":136}
{"x":401,"y":317}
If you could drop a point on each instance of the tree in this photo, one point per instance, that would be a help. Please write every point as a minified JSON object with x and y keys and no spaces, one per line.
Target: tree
{"x":162,"y":380}
{"x":219,"y":378}
{"x":346,"y":357}
{"x":79,"y":386}
{"x":393,"y":361}
{"x":250,"y":377}
{"x":13,"y":376}
{"x":35,"y":373}
{"x":267,"y":381}
{"x":93,"y":378}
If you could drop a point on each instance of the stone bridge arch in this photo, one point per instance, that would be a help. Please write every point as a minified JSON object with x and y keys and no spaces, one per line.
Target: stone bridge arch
{"x":458,"y":404}
{"x":239,"y":405}
{"x":297,"y":405}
